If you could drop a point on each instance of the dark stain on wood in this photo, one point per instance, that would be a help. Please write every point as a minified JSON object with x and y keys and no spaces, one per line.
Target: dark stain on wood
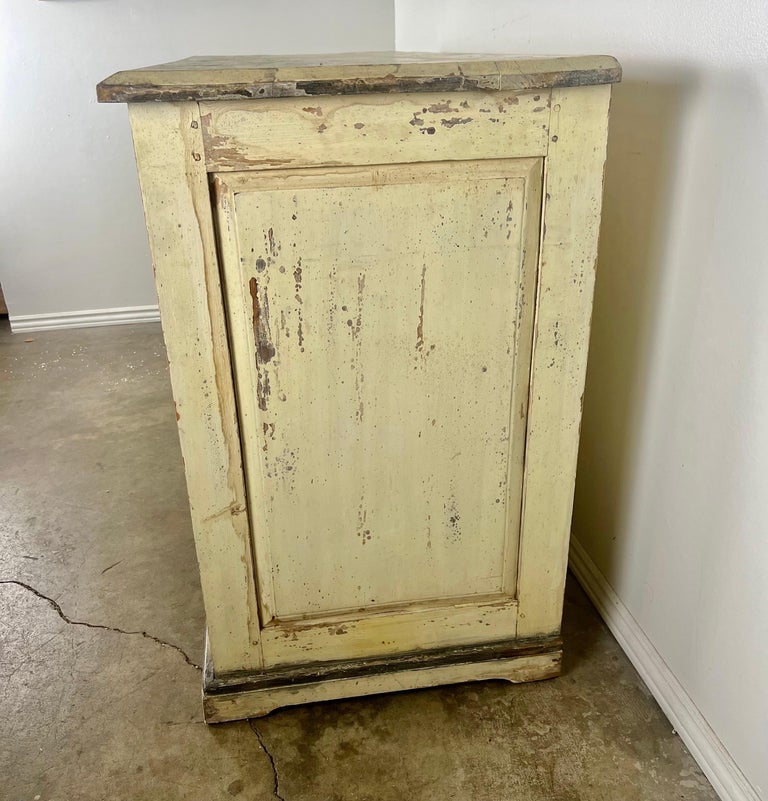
{"x":453,"y":518}
{"x":273,"y":249}
{"x":391,"y":83}
{"x":373,"y":666}
{"x":337,"y":630}
{"x":263,"y":389}
{"x":420,"y":326}
{"x":359,"y":125}
{"x":113,"y":91}
{"x":316,"y":110}
{"x":357,"y":324}
{"x":265,"y":350}
{"x":442,"y":108}
{"x":362,"y":517}
{"x":297,"y":276}
{"x":455,"y":121}
{"x":355,"y":329}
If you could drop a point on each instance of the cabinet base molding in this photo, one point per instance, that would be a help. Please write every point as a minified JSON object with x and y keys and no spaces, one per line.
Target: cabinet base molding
{"x":254,"y":694}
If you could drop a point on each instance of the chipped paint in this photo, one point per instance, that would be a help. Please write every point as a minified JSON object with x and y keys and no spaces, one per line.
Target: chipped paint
{"x":455,"y":121}
{"x":263,"y":389}
{"x":169,"y":85}
{"x":444,"y":107}
{"x":420,"y":326}
{"x":376,"y":385}
{"x":234,"y":133}
{"x":265,"y":350}
{"x":272,"y":245}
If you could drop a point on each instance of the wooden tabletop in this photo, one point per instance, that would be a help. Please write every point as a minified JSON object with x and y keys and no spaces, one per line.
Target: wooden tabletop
{"x":254,"y":77}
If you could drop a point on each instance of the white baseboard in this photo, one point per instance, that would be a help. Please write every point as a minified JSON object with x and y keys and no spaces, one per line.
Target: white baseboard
{"x":84,"y":319}
{"x":705,"y":746}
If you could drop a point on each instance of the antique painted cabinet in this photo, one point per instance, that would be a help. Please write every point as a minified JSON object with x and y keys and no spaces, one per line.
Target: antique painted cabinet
{"x":375,"y":278}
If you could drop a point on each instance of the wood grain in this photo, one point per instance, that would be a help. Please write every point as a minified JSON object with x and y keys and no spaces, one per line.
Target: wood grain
{"x":259,"y":77}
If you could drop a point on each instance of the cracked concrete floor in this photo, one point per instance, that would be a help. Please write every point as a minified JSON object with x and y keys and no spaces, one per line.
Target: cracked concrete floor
{"x":101,"y":636}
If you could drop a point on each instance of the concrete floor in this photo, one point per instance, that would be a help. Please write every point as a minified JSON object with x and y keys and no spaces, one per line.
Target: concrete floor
{"x":101,"y":628}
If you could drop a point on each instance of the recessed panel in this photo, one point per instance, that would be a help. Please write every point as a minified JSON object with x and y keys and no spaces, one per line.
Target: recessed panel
{"x":384,"y":309}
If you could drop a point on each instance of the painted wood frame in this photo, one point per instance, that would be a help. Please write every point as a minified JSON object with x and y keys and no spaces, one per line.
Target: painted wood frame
{"x":573,"y":189}
{"x":177,"y":207}
{"x":177,"y":144}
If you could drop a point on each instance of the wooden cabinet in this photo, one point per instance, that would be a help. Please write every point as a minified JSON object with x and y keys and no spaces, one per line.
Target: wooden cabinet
{"x":375,"y":277}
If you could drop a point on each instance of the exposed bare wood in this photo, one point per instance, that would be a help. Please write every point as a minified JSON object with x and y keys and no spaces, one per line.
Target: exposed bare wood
{"x":375,"y":129}
{"x":257,"y":77}
{"x":447,"y":622}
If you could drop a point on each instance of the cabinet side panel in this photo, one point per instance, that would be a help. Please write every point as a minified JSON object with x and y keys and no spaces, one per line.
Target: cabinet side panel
{"x":573,"y":196}
{"x":177,"y":208}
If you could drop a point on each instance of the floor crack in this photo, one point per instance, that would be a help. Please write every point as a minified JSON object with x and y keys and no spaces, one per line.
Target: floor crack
{"x":60,"y":612}
{"x":275,"y":777}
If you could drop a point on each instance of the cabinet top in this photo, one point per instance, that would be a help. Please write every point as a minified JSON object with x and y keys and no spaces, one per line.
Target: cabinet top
{"x":255,"y":77}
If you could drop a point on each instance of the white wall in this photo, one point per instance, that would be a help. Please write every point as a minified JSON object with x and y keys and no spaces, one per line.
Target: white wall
{"x":71,"y":227}
{"x":672,"y":493}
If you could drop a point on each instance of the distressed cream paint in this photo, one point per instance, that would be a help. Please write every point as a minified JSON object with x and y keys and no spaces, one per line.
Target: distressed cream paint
{"x":377,"y":308}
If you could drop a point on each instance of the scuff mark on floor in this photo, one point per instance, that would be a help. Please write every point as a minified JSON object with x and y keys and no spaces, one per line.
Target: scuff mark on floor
{"x":68,"y":620}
